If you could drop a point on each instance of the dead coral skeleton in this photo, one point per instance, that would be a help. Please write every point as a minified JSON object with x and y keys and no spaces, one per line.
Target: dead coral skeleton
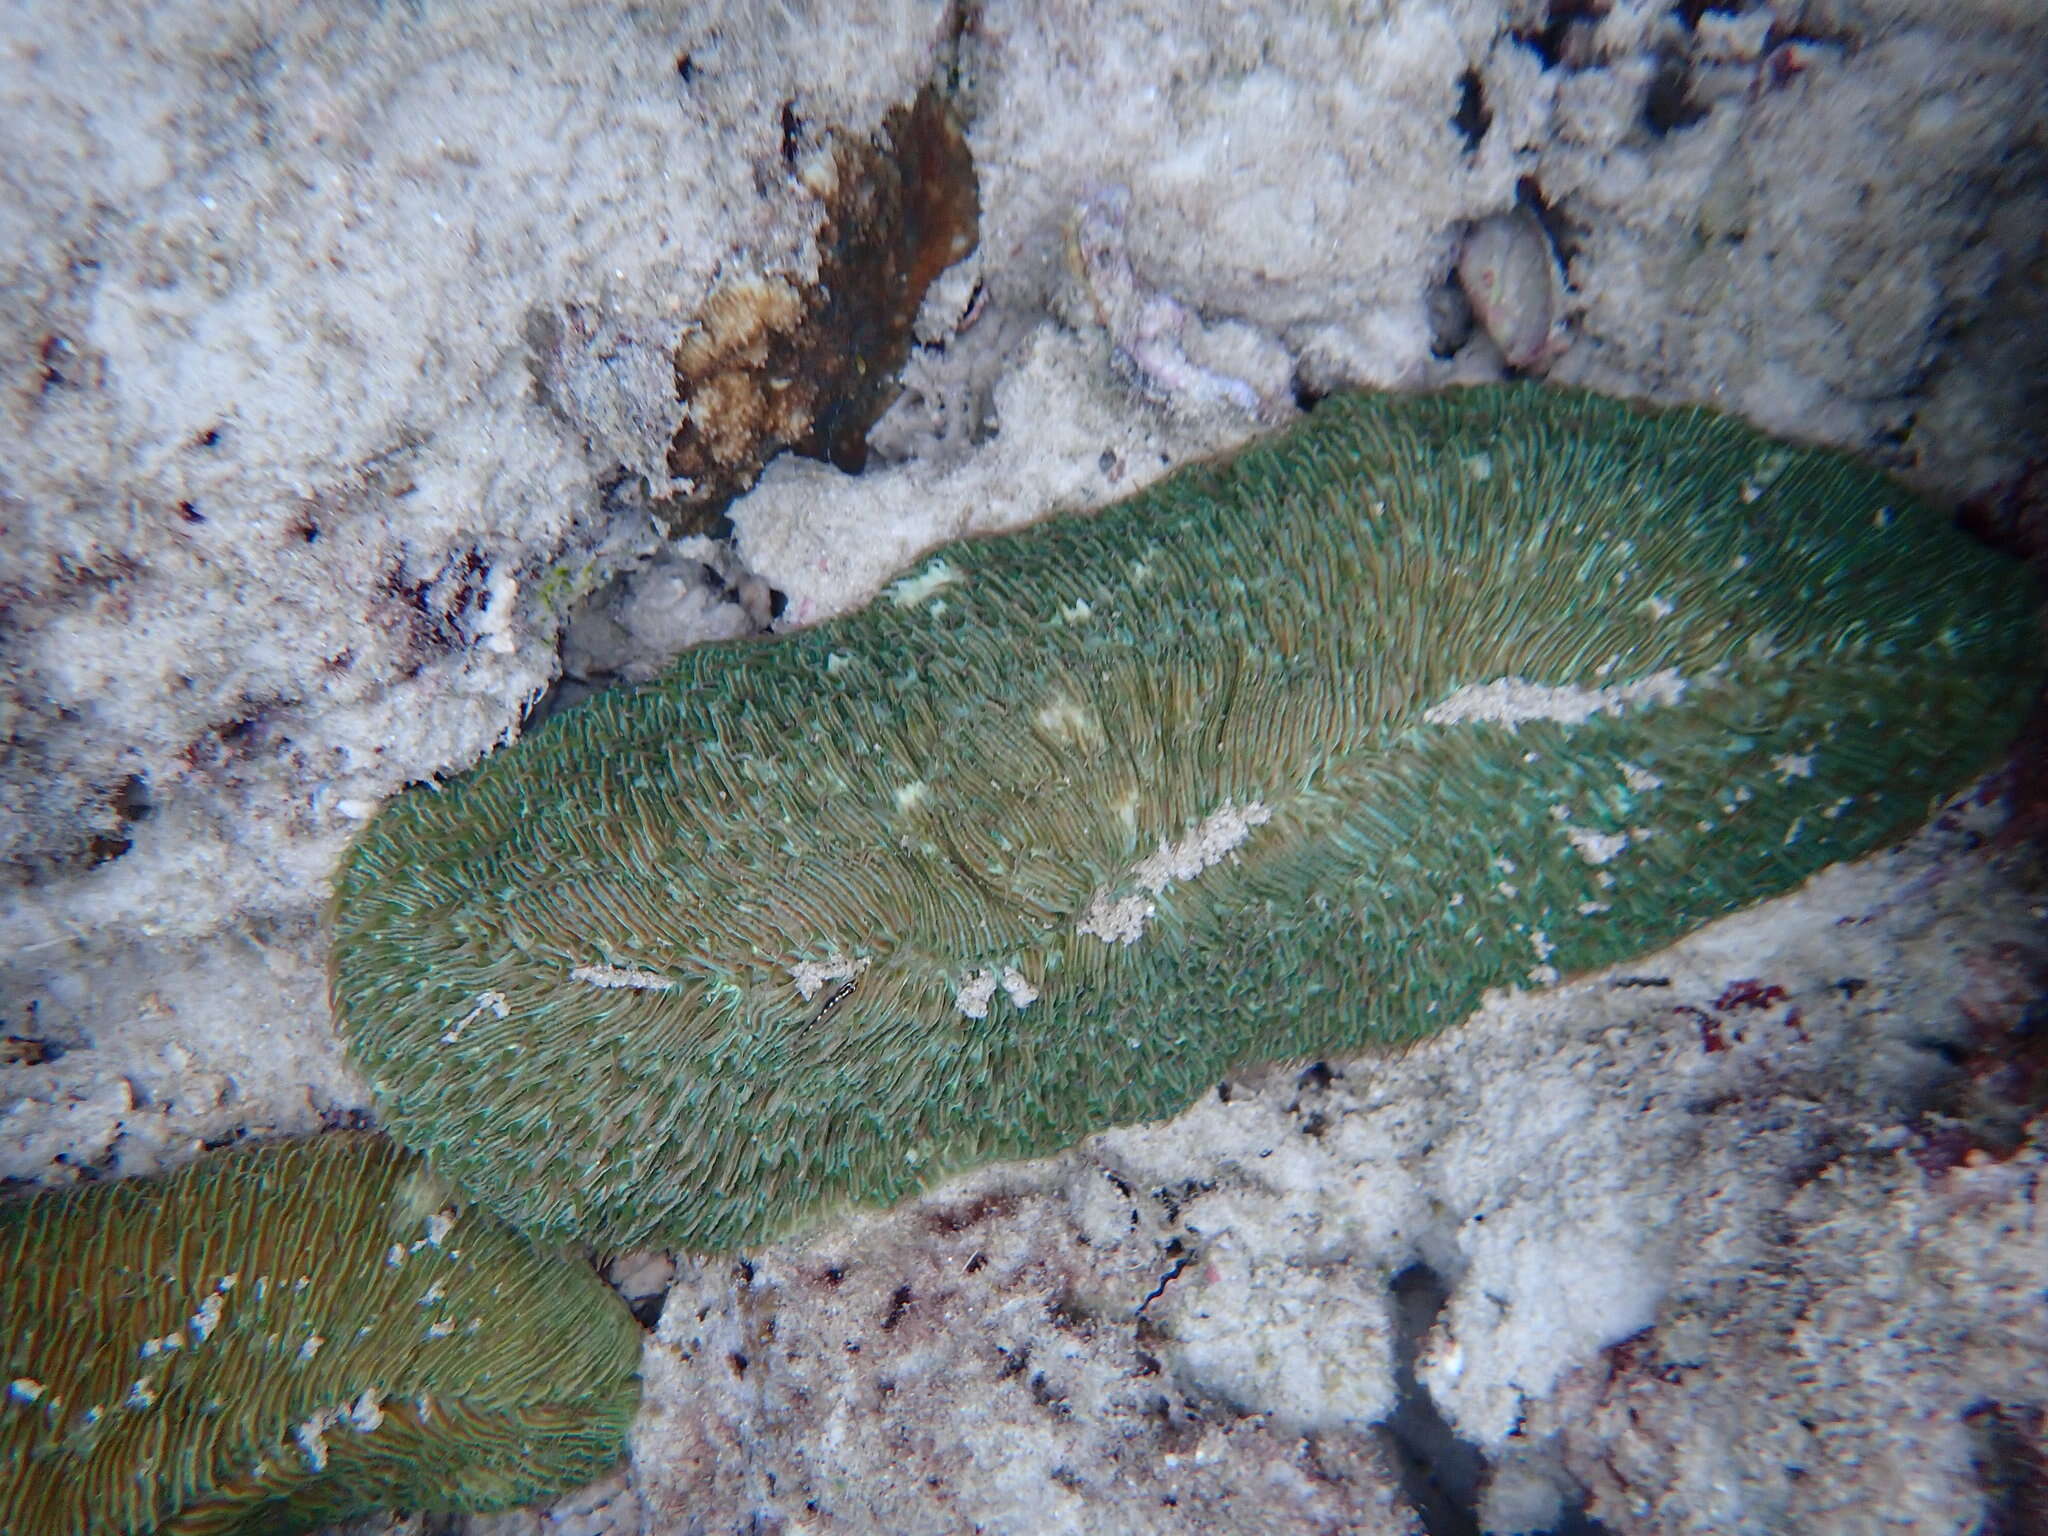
{"x":1161,"y":338}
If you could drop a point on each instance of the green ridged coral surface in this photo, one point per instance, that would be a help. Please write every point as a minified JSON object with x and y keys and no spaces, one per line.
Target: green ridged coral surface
{"x":1294,"y":753}
{"x":281,"y":1336}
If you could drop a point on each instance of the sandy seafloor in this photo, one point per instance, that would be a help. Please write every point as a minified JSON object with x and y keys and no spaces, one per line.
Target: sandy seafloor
{"x":336,"y":357}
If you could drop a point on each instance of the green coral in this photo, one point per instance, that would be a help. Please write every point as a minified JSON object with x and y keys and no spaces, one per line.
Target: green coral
{"x":280,"y":1336}
{"x":1293,"y":753}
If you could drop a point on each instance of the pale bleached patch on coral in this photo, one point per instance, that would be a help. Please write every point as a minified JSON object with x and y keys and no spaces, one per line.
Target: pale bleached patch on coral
{"x":202,"y":1323}
{"x":934,"y":578}
{"x":1596,"y":847}
{"x":1641,"y":780}
{"x":1116,"y":922}
{"x":494,"y":1003}
{"x":1069,"y":722}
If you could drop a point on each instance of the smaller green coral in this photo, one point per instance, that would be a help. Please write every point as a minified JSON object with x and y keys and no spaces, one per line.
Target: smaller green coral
{"x":287,"y":1335}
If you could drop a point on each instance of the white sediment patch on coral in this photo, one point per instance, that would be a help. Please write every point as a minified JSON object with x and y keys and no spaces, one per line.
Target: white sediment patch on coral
{"x":1121,"y":919}
{"x":1513,"y":701}
{"x":1116,"y":922}
{"x":624,"y":977}
{"x":811,"y":975}
{"x":974,"y":997}
{"x":980,"y":989}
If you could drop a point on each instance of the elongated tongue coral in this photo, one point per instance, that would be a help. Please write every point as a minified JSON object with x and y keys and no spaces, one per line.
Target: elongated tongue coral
{"x":1292,"y":754}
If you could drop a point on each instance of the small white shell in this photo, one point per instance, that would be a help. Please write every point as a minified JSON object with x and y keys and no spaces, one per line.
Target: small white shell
{"x":1510,"y":273}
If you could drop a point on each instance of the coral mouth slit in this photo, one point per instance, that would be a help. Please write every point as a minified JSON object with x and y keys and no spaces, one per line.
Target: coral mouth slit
{"x":838,"y":995}
{"x":1292,"y":754}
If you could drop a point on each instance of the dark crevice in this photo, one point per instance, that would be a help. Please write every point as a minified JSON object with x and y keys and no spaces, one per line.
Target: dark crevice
{"x":2009,"y":1463}
{"x":963,"y":27}
{"x":899,"y":1303}
{"x":1669,"y":105}
{"x":1171,"y":1275}
{"x":28,"y":1050}
{"x":1450,"y":318}
{"x":101,"y":848}
{"x":1564,"y":34}
{"x":1564,"y":237}
{"x":1689,"y":12}
{"x":1441,"y":1474}
{"x":792,"y":134}
{"x":1473,"y":116}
